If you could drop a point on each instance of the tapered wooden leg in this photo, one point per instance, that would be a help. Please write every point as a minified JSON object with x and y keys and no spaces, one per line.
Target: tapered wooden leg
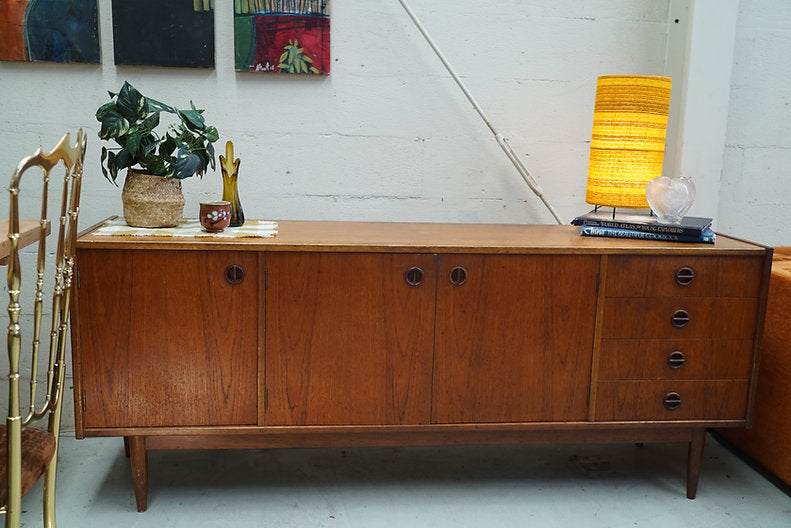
{"x":126,"y":446}
{"x":139,"y":456}
{"x":695,"y":461}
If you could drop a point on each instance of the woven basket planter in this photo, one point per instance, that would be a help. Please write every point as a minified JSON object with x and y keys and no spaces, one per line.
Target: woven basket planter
{"x":152,"y":201}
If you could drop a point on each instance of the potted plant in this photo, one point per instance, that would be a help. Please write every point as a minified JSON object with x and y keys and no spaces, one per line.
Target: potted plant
{"x":155,"y":162}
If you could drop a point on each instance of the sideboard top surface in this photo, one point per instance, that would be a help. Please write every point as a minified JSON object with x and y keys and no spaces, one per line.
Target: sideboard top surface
{"x":307,"y":235}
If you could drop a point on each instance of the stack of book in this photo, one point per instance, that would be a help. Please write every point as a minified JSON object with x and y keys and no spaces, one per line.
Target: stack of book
{"x":601,"y":223}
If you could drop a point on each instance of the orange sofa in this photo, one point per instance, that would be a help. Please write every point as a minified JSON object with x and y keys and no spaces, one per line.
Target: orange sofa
{"x":768,"y":441}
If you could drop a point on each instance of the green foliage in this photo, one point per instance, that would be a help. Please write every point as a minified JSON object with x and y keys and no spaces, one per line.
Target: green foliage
{"x":131,"y":119}
{"x":293,"y":60}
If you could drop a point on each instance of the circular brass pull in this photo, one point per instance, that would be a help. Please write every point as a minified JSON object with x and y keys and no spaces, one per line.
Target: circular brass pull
{"x":458,"y":276}
{"x":680,"y":318}
{"x":676,"y":359}
{"x":234,"y":274}
{"x":685,"y":276}
{"x":672,"y":401}
{"x":414,"y":276}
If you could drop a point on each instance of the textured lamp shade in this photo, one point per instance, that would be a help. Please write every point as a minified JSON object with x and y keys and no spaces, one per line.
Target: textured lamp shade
{"x":628,"y":141}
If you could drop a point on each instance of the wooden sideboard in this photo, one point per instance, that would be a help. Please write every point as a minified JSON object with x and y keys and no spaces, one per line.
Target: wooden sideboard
{"x":362,"y":334}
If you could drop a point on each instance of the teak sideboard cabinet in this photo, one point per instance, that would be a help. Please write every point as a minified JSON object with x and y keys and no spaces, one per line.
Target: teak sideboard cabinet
{"x":361,"y":334}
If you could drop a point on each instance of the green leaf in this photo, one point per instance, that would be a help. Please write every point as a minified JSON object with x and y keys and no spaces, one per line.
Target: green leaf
{"x":105,"y":154}
{"x":105,"y":109}
{"x":121,"y":160}
{"x":211,"y":134}
{"x":186,"y":165}
{"x":210,"y":152}
{"x":167,"y":147}
{"x":131,"y":104}
{"x":193,"y":119}
{"x":113,"y":125}
{"x":133,"y":141}
{"x":150,"y":123}
{"x":155,"y":106}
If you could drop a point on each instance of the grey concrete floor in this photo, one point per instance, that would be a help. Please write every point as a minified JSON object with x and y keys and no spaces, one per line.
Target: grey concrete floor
{"x":506,"y":486}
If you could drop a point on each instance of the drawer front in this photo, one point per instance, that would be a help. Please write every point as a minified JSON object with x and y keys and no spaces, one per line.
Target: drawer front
{"x":671,"y":400}
{"x":647,"y":359}
{"x":679,"y":318}
{"x":683,"y":276}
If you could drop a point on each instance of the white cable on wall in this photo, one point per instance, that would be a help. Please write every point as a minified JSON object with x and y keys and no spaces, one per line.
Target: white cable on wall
{"x":501,"y":140}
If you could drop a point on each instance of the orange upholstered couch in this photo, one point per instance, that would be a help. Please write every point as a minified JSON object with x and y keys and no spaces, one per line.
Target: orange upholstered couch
{"x":768,"y":441}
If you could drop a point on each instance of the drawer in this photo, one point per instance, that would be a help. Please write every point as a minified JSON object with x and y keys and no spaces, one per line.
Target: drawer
{"x":647,"y":318}
{"x":647,"y":359}
{"x":646,"y":400}
{"x":683,"y":276}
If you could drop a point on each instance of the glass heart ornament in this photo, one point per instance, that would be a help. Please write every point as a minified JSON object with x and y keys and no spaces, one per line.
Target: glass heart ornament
{"x":670,"y":198}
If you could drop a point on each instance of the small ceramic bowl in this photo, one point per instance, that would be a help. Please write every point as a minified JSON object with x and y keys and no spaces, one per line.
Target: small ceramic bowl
{"x":215,"y":216}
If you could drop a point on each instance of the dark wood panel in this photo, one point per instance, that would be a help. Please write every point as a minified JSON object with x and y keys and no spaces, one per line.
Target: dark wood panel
{"x":165,"y":340}
{"x":514,"y":342}
{"x":644,"y":400}
{"x":636,"y":318}
{"x":348,"y":340}
{"x":637,"y":359}
{"x":655,"y":276}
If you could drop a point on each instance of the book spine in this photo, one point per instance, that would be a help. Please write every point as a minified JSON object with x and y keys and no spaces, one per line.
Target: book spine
{"x":648,"y":228}
{"x":587,"y":230}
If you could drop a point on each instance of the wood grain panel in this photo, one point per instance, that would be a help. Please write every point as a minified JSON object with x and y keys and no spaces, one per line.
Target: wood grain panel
{"x":514,"y":342}
{"x":647,"y":359}
{"x":655,"y":276}
{"x":165,"y":340}
{"x":724,"y":318}
{"x":348,"y":340}
{"x":643,"y":400}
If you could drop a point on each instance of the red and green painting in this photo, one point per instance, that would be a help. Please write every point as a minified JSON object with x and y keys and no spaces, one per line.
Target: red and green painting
{"x":49,"y":30}
{"x":282,"y":36}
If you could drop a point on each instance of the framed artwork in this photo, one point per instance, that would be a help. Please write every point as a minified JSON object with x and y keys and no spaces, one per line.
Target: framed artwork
{"x":282,"y":36}
{"x":49,"y":30}
{"x":175,"y":33}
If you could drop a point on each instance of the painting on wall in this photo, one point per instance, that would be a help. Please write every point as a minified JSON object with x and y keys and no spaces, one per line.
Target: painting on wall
{"x":49,"y":30}
{"x":174,"y":33}
{"x":282,"y":36}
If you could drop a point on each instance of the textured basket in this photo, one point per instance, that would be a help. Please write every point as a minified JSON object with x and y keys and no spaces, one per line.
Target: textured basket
{"x":152,"y":201}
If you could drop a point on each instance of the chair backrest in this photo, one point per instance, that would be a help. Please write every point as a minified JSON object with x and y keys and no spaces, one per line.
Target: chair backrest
{"x":43,"y":396}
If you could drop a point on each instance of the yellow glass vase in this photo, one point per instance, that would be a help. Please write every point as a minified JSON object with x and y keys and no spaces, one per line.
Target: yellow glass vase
{"x":230,"y":191}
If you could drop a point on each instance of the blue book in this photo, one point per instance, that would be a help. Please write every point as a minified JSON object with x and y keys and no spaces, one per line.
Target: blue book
{"x":706,"y":237}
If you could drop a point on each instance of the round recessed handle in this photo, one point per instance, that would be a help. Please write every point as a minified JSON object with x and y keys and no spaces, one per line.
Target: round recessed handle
{"x":458,"y":276}
{"x":234,"y":274}
{"x":672,"y":401}
{"x":676,"y":359}
{"x":414,"y":276}
{"x":685,"y":276}
{"x":680,"y":318}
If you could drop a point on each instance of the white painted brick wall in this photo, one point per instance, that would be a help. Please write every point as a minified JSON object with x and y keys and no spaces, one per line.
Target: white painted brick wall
{"x":388,"y":135}
{"x":755,"y":190}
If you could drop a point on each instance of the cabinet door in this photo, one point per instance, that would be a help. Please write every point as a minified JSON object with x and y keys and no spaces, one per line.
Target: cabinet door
{"x":514,"y":337}
{"x":349,"y":340}
{"x":165,"y":339}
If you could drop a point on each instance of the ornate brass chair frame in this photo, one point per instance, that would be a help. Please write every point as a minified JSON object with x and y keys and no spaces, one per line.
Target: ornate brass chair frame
{"x":72,"y":157}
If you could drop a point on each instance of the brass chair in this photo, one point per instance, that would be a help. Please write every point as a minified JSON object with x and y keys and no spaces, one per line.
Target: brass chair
{"x":28,"y":452}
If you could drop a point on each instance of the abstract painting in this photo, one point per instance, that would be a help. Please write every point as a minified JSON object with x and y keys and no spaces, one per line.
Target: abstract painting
{"x":175,"y":33}
{"x":49,"y":30}
{"x":282,"y":36}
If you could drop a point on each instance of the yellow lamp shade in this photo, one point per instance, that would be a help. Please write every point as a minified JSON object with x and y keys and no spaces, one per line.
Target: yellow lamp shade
{"x":628,"y":140}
